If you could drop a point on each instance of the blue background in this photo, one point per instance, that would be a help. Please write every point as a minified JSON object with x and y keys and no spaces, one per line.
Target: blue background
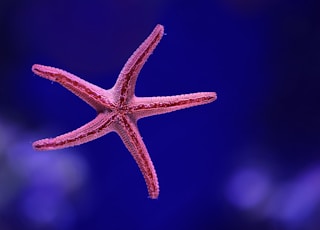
{"x":250,"y":160}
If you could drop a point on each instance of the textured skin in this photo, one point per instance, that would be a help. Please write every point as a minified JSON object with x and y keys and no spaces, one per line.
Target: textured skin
{"x":119,"y":109}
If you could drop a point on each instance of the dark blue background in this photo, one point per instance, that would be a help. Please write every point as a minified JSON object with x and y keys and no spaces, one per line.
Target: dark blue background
{"x":242,"y":162}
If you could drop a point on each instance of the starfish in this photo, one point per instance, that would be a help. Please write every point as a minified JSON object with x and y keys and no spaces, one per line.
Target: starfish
{"x":118,"y":109}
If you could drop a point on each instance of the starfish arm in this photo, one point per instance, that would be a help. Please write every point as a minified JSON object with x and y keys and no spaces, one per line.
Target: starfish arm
{"x":125,"y":85}
{"x":130,"y":136}
{"x":96,"y":128}
{"x":149,"y":106}
{"x":91,"y":94}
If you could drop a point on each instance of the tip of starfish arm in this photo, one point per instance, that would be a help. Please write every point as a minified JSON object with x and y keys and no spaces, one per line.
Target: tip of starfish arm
{"x":153,"y":196}
{"x":214,"y":96}
{"x":45,"y":71}
{"x":43,"y":145}
{"x":159,"y":27}
{"x":39,"y":70}
{"x":37,"y":145}
{"x":208,"y":97}
{"x":153,"y":190}
{"x":36,"y":68}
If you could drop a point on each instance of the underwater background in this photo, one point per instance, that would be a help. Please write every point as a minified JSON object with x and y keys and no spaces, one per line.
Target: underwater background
{"x":250,"y":160}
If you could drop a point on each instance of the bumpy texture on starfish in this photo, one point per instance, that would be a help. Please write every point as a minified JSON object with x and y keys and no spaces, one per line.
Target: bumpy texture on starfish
{"x":119,"y":109}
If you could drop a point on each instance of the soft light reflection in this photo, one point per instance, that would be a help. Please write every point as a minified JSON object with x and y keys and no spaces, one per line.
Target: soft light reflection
{"x":39,"y":187}
{"x":296,"y":201}
{"x":248,"y":188}
{"x":293,"y":203}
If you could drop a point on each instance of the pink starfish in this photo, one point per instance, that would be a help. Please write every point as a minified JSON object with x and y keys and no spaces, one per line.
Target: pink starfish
{"x":119,"y":109}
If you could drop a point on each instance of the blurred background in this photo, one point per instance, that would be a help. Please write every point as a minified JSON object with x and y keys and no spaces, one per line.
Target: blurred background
{"x":250,"y":160}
